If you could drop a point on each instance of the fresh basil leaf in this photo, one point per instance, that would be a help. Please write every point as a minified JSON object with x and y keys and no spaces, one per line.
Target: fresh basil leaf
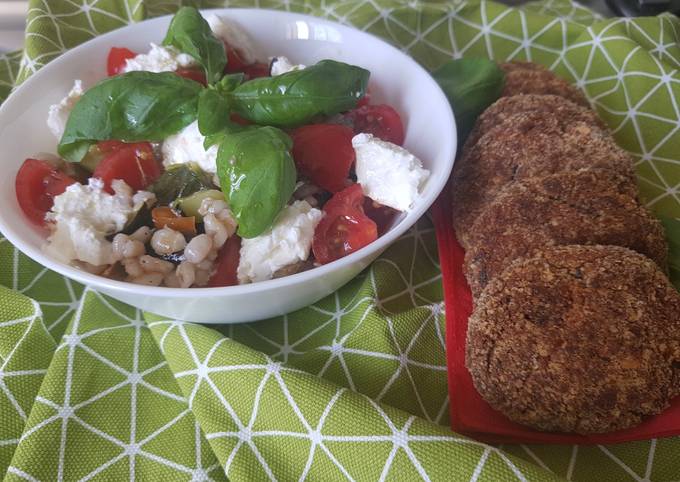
{"x":229,"y":82}
{"x":257,"y":174}
{"x":191,"y":34}
{"x":230,"y":128}
{"x":213,"y":112}
{"x":180,"y":181}
{"x":136,"y":106}
{"x":214,"y":139}
{"x":672,"y":227}
{"x":471,"y":85}
{"x":297,"y":97}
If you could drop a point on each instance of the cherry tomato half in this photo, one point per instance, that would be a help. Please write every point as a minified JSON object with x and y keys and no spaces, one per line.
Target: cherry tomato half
{"x":37,"y":184}
{"x":258,"y":69}
{"x":324,"y":153}
{"x":116,"y":60}
{"x":366,"y":99}
{"x":106,"y":147}
{"x":196,"y":75}
{"x":234,"y":61}
{"x":383,"y":216}
{"x":133,"y":163}
{"x":226,"y":264}
{"x":380,"y":120}
{"x":344,"y":228}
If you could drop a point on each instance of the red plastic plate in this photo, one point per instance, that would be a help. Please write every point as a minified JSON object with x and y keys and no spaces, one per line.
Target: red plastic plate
{"x":470,"y":414}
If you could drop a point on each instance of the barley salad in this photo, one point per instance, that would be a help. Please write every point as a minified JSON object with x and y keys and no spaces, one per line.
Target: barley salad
{"x":200,"y":163}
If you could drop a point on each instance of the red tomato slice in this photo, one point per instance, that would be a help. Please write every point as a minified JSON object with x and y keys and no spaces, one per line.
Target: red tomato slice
{"x":116,"y":60}
{"x":235,"y":64}
{"x":380,"y":120}
{"x":258,"y":69}
{"x":344,"y":228}
{"x":110,"y":146}
{"x":324,"y":153}
{"x":226,"y":264}
{"x":196,"y":75}
{"x":133,"y":163}
{"x":234,"y":61}
{"x":352,"y":197}
{"x":383,"y":216}
{"x":37,"y":183}
{"x":366,"y":99}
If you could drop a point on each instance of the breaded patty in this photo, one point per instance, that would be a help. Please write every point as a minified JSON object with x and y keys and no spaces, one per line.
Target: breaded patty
{"x":505,"y":107}
{"x":527,"y":145}
{"x":579,"y":339}
{"x":588,"y":206}
{"x":531,"y":78}
{"x":521,"y":65}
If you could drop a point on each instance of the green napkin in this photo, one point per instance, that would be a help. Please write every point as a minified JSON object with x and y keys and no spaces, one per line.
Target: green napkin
{"x":353,"y":387}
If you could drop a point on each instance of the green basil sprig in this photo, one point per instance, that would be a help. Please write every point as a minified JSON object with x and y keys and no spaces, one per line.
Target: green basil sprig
{"x":471,"y":85}
{"x":214,"y":107}
{"x":136,"y":106}
{"x":297,"y":97}
{"x":191,"y":34}
{"x":213,"y":112}
{"x":672,"y":227}
{"x":257,"y":174}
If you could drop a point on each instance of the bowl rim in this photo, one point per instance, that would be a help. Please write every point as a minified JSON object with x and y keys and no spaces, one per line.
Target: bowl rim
{"x":422,"y":203}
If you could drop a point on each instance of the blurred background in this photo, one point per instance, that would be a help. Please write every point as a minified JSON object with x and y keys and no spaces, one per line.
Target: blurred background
{"x":12,"y":22}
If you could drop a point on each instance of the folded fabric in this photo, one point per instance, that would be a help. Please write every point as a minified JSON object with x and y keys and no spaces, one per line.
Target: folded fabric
{"x":354,"y":386}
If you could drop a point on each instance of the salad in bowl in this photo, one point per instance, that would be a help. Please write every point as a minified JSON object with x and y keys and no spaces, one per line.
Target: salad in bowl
{"x":204,"y":163}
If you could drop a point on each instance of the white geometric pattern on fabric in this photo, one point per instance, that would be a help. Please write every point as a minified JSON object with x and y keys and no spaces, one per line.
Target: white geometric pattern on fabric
{"x":246,"y":435}
{"x":21,"y":331}
{"x":414,"y":246}
{"x":26,"y":278}
{"x":74,"y":341}
{"x":31,"y":322}
{"x":57,"y":12}
{"x":618,"y":119}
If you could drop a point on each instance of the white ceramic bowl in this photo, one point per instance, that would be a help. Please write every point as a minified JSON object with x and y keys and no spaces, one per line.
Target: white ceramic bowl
{"x":395,"y":79}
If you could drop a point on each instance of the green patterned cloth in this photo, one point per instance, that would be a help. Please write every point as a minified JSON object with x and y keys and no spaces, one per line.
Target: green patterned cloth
{"x":353,"y":387}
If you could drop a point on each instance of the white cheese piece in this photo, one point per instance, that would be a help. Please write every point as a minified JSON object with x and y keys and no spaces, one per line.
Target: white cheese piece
{"x":388,"y":173}
{"x":187,"y":146}
{"x":58,"y":114}
{"x":235,"y":36}
{"x":281,"y":65}
{"x":84,"y":215}
{"x":159,"y":59}
{"x":287,"y":242}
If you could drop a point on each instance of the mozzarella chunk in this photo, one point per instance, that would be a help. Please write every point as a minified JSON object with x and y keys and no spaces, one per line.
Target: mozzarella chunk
{"x":159,"y":59}
{"x":58,"y":114}
{"x":84,"y":215}
{"x":388,"y":173}
{"x":234,"y":35}
{"x":281,"y":65}
{"x":287,"y":242}
{"x":187,"y":146}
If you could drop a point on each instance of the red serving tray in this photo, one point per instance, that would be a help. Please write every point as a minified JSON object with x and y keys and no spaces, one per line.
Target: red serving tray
{"x":470,"y":414}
